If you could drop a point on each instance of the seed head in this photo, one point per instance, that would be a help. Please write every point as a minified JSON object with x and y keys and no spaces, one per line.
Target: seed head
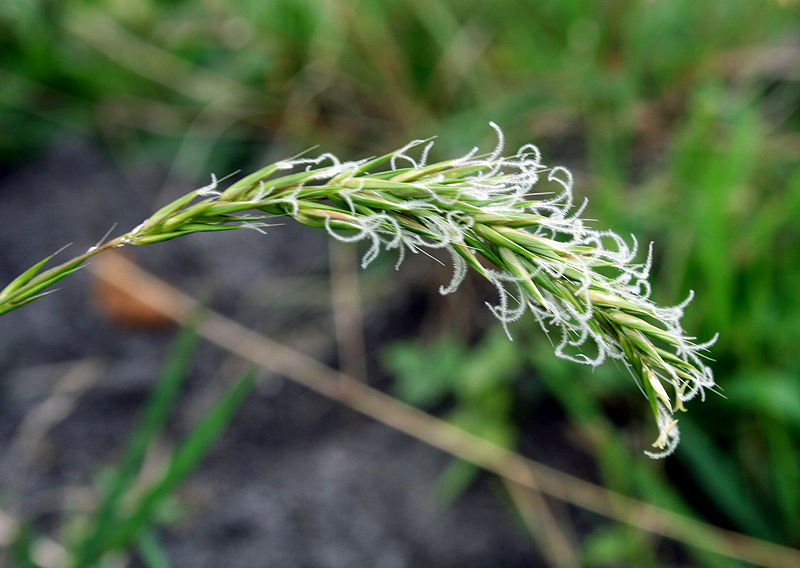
{"x":581,"y":284}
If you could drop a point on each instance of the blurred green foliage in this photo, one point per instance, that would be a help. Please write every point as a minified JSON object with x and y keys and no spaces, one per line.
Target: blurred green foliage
{"x":130,"y":506}
{"x":473,"y":382}
{"x":679,"y":118}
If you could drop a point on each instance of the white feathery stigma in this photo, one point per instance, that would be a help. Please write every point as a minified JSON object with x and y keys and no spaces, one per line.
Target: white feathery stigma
{"x":582,"y":282}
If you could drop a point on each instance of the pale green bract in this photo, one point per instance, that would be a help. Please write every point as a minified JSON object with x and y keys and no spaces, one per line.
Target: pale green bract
{"x":581,"y":283}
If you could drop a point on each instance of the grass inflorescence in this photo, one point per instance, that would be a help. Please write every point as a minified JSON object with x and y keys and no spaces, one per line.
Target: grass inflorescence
{"x":583,"y":284}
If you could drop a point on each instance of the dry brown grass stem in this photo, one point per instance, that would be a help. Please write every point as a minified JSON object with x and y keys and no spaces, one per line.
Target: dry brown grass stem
{"x":515,"y":468}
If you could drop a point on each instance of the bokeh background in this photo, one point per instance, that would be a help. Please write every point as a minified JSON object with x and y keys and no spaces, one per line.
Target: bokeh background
{"x":680,"y":121}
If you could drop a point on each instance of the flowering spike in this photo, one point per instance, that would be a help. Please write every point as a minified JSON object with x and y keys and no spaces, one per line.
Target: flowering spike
{"x":538,"y":253}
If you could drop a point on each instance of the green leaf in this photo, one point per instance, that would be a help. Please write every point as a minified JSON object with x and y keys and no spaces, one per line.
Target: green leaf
{"x":617,"y":545}
{"x":770,"y":392}
{"x":721,"y":480}
{"x":492,"y":364}
{"x":151,"y":423}
{"x":424,"y":375}
{"x":783,"y":461}
{"x":22,"y":548}
{"x":151,"y":551}
{"x":184,"y":459}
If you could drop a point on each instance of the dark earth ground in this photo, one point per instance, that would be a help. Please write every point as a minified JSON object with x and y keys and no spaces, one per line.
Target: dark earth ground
{"x":297,"y":480}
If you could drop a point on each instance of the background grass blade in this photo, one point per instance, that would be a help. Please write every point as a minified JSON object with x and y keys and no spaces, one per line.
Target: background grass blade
{"x":154,"y":416}
{"x":183,"y":460}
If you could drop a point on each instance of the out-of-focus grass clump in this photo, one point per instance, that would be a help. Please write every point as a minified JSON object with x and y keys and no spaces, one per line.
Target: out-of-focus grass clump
{"x":679,"y":118}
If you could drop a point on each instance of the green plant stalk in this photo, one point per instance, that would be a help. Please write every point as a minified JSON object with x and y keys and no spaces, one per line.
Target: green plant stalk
{"x":577,"y":281}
